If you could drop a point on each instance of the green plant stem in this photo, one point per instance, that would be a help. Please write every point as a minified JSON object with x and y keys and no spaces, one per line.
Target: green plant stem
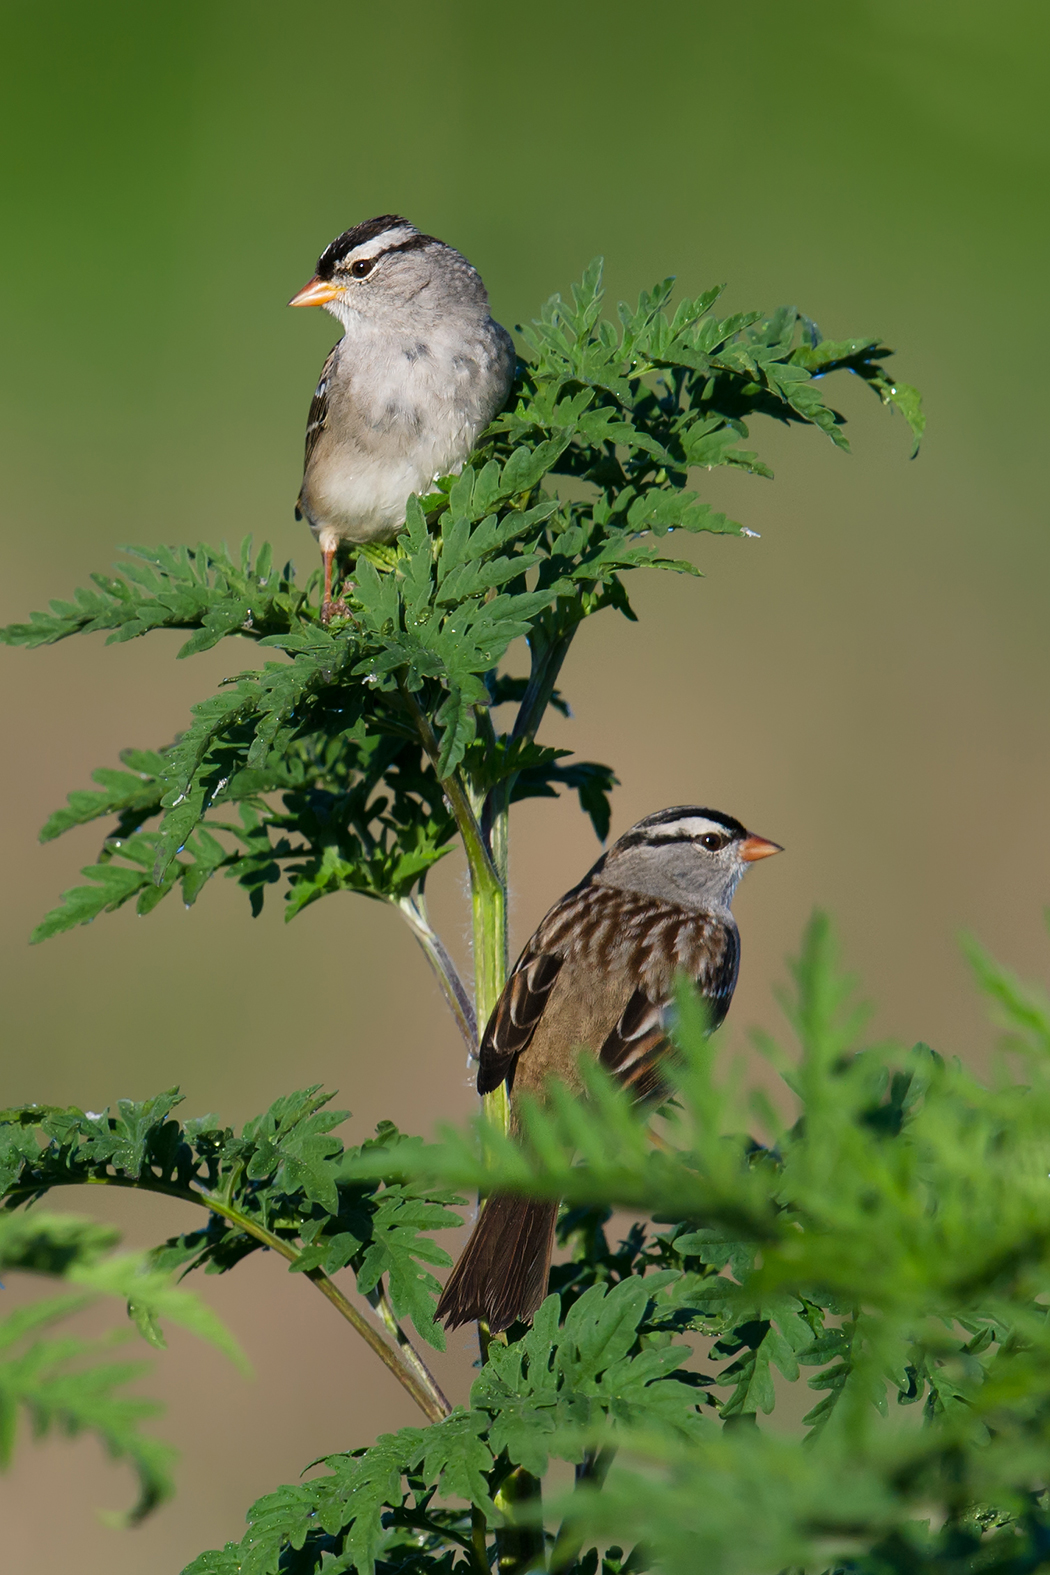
{"x":546,"y":665}
{"x":496,"y":826}
{"x":495,"y":818}
{"x":413,"y":910}
{"x":488,"y":902}
{"x":519,"y":1547}
{"x":479,"y":1539}
{"x":454,"y":791}
{"x":411,"y":1376}
{"x":380,"y":1300}
{"x":489,"y":912}
{"x":593,"y":1469}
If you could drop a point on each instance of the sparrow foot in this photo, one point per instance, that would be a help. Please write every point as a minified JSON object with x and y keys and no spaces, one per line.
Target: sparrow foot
{"x":336,"y":609}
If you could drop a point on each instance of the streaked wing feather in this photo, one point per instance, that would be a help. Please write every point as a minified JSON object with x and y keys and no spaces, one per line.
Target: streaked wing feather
{"x":518,"y":1010}
{"x":634,"y":1048}
{"x":317,"y":420}
{"x":717,"y":987}
{"x":615,"y":931}
{"x":636,"y":1045}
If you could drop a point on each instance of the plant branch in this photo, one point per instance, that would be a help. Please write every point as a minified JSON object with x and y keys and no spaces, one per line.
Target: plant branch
{"x":544,"y":675}
{"x":496,"y":811}
{"x":424,"y":1392}
{"x":593,"y":1469}
{"x":465,"y":818}
{"x":380,"y":1300}
{"x":489,"y":913}
{"x":413,"y":910}
{"x":520,"y":1547}
{"x":420,"y":1521}
{"x":488,"y":901}
{"x":479,"y":1539}
{"x":412,"y":1376}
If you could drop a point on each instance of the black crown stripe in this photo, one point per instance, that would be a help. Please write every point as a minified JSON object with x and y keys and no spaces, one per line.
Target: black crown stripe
{"x":356,"y":236}
{"x":665,"y":817}
{"x":413,"y":244}
{"x":637,"y":839}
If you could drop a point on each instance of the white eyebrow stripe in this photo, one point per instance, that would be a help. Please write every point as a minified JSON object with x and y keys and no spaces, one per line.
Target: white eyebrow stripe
{"x":378,"y":243}
{"x":688,"y":826}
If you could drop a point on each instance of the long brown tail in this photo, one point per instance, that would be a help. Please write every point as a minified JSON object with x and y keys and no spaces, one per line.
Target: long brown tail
{"x":502,"y":1274}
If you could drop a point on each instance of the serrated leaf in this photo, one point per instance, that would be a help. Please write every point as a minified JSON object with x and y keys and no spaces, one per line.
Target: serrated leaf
{"x":152,"y":1297}
{"x":112,"y":886}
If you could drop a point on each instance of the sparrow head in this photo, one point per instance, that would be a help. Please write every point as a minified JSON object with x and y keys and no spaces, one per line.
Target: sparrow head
{"x":686,"y":854}
{"x":376,"y":268}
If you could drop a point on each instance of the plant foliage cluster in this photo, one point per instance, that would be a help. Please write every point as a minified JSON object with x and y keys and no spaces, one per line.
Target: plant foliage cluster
{"x":70,"y":1384}
{"x":333,"y":728}
{"x":885,"y":1245}
{"x":879,"y":1236}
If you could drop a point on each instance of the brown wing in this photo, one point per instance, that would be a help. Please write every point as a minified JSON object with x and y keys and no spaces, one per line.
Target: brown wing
{"x":317,"y":420}
{"x":676,"y":941}
{"x":521,"y":1005}
{"x":719,"y":981}
{"x":613,"y":932}
{"x":634,"y":1049}
{"x":518,"y":1010}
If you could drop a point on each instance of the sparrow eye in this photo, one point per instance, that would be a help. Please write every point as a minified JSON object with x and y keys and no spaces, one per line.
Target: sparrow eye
{"x":362,"y":266}
{"x":713,"y":842}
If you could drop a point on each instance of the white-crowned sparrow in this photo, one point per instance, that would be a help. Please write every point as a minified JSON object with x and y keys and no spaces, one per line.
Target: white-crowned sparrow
{"x":599,"y":975}
{"x":420,"y":370}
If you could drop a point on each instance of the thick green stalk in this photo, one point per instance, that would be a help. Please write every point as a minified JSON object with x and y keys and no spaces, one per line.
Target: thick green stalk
{"x":495,"y":819}
{"x":592,"y":1470}
{"x":479,"y":1539}
{"x":490,"y":912}
{"x":520,"y":1547}
{"x":488,"y":900}
{"x":487,"y":895}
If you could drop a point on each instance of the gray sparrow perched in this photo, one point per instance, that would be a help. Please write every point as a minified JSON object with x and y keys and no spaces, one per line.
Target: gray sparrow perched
{"x":420,"y":370}
{"x":598,"y":976}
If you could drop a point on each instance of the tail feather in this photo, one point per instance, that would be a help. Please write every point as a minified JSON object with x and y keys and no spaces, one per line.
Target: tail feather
{"x":502,"y":1274}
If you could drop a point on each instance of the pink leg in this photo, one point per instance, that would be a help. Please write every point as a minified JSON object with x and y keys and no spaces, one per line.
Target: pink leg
{"x":326,"y":605}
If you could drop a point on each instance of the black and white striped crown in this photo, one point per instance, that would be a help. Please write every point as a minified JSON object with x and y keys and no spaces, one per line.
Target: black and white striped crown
{"x":370,"y":241}
{"x":681,"y":823}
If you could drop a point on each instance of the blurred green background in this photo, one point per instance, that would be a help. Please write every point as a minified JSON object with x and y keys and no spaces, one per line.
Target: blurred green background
{"x":866,"y":683}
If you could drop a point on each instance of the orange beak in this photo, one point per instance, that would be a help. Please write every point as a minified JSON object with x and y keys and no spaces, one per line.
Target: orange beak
{"x":316,"y":293}
{"x":753,"y":848}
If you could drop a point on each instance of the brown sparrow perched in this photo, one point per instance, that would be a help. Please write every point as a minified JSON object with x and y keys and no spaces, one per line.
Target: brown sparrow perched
{"x":420,"y":370}
{"x":599,"y":975}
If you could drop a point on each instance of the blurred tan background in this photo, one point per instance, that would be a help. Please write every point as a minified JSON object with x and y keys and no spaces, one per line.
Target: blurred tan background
{"x":866,"y":683}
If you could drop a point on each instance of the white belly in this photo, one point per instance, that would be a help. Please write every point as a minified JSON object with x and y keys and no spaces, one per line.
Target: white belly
{"x":363,"y":496}
{"x":399,"y":416}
